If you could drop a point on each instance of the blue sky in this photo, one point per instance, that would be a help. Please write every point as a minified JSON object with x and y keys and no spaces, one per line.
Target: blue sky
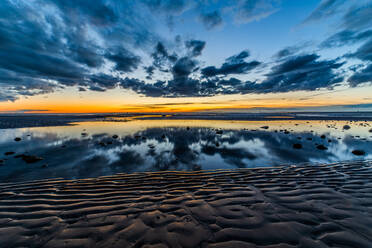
{"x":158,"y":51}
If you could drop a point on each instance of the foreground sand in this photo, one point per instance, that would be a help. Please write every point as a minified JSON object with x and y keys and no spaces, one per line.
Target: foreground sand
{"x":295,"y":206}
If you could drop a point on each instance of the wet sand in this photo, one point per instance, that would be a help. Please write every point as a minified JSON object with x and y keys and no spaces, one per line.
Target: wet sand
{"x":292,"y":206}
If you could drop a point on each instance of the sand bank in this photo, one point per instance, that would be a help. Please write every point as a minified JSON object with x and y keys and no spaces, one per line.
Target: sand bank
{"x":295,"y":206}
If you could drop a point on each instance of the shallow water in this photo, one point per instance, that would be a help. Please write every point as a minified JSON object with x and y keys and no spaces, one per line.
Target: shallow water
{"x":155,"y":145}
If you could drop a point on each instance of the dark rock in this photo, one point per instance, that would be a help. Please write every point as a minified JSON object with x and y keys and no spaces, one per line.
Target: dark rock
{"x":163,"y":136}
{"x":309,"y":138}
{"x":265,"y":127}
{"x":8,"y":153}
{"x":329,"y":141}
{"x":323,"y":136}
{"x":109,"y":142}
{"x":17,"y":139}
{"x":115,"y":136}
{"x":151,"y":146}
{"x":44,"y":166}
{"x":370,"y":130}
{"x":219,"y":132}
{"x":102,"y":144}
{"x":187,"y":128}
{"x":30,"y":159}
{"x":321,"y":147}
{"x":297,"y":146}
{"x":346,"y":127}
{"x":84,"y":134}
{"x":217,"y":144}
{"x":358,"y":152}
{"x":286,"y":132}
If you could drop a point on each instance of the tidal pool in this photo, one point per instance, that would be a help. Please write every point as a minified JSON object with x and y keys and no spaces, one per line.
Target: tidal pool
{"x":90,"y":149}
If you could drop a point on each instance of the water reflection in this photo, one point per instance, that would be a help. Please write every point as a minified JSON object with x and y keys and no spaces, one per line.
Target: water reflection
{"x":92,"y":149}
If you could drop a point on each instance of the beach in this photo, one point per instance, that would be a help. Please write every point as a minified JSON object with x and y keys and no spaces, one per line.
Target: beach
{"x":324,"y":205}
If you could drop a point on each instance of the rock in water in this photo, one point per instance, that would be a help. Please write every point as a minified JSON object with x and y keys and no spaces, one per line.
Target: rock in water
{"x":30,"y":159}
{"x":358,"y":152}
{"x":346,"y":127}
{"x":17,"y":139}
{"x":297,"y":146}
{"x":321,"y":147}
{"x":8,"y":153}
{"x":115,"y":136}
{"x":265,"y":127}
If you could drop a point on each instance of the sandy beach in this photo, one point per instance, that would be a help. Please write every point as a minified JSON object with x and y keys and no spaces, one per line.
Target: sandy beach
{"x":325,"y":205}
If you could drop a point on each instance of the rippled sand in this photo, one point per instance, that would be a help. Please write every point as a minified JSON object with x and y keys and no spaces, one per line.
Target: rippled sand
{"x":294,"y":206}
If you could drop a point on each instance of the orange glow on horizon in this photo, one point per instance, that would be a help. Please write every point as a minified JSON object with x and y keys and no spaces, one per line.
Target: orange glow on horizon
{"x":116,"y":101}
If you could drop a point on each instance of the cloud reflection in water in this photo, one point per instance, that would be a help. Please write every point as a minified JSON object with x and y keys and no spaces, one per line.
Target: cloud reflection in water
{"x":69,"y":154}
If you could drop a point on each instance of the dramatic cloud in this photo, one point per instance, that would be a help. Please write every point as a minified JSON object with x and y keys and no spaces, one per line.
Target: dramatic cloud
{"x":346,"y":37}
{"x":364,"y":52}
{"x":303,"y":72}
{"x":362,"y":76}
{"x":296,"y":73}
{"x":355,"y":24}
{"x":211,"y":20}
{"x":179,"y":66}
{"x":45,"y":45}
{"x":291,"y":50}
{"x":233,"y":65}
{"x":50,"y":45}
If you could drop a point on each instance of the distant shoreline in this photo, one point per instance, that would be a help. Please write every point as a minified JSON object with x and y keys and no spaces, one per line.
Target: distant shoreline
{"x":43,"y":120}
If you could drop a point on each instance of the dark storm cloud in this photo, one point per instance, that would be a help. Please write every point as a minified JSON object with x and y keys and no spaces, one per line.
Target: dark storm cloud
{"x":303,"y":72}
{"x":179,"y":66}
{"x":291,"y":50}
{"x":361,"y":76}
{"x":233,"y":65}
{"x":161,"y":58}
{"x":295,"y":73}
{"x":125,"y":61}
{"x":211,"y":20}
{"x":346,"y":37}
{"x":364,"y":52}
{"x":196,"y":47}
{"x":62,"y":45}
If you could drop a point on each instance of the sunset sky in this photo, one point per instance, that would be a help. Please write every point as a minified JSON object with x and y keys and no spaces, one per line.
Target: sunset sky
{"x":76,"y":56}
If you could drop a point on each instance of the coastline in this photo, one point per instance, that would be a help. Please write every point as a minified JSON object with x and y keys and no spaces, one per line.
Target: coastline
{"x":44,"y":120}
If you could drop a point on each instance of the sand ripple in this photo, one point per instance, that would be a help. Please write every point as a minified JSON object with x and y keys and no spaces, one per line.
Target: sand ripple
{"x":294,"y":206}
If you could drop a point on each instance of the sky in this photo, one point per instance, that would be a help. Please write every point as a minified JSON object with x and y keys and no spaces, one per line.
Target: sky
{"x":85,"y":56}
